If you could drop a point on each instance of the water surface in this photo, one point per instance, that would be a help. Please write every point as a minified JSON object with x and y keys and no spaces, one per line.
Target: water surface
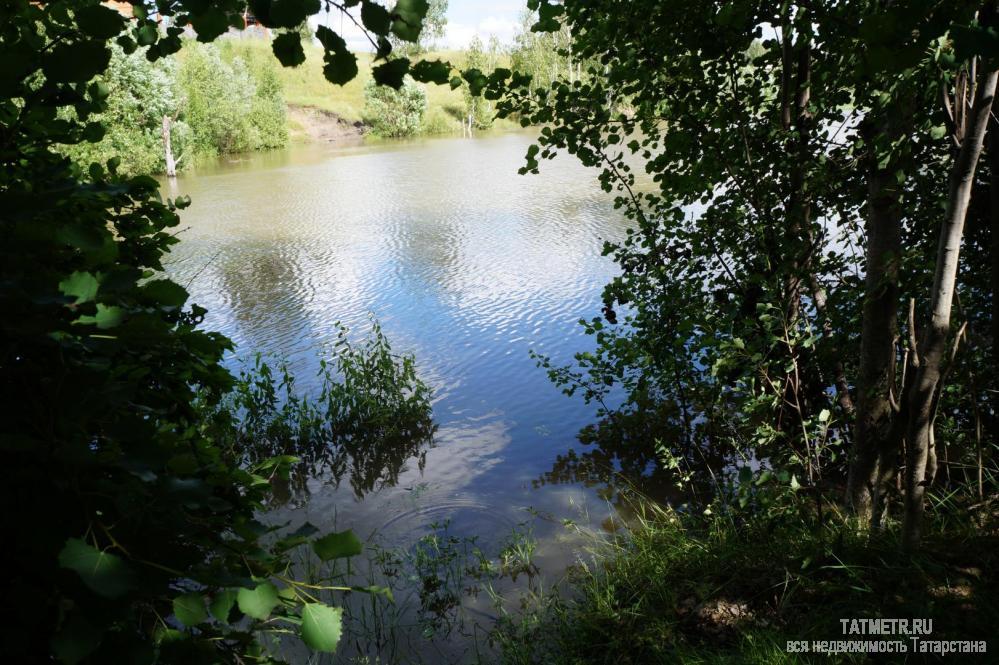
{"x":466,"y":265}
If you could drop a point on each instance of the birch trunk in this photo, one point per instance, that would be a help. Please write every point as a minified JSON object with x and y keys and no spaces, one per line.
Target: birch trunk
{"x":933,"y":342}
{"x":171,"y":163}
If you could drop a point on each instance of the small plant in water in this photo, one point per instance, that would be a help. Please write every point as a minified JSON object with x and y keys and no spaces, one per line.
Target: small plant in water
{"x":371,"y":416}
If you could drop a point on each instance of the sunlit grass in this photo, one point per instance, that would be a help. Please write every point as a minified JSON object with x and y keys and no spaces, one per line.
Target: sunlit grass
{"x":736,"y":588}
{"x":305,"y":86}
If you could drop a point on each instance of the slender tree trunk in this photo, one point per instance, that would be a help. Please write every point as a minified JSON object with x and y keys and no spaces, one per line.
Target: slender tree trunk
{"x":933,"y":342}
{"x":993,"y":424}
{"x":171,"y":163}
{"x":873,"y":433}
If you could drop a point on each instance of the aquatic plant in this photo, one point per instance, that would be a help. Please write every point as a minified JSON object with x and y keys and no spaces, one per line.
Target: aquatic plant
{"x":371,"y":415}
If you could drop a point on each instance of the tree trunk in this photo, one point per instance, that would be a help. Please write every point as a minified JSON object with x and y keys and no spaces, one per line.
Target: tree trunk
{"x":933,"y":342}
{"x":878,"y":331}
{"x":993,"y":423}
{"x":171,"y":163}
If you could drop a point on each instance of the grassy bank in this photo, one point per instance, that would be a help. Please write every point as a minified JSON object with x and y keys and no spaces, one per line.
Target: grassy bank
{"x":682,"y":589}
{"x":234,"y":97}
{"x":305,"y":87}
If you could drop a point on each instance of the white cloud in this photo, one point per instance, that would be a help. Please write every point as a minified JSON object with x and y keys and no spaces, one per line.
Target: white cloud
{"x":502,"y":21}
{"x":458,"y":35}
{"x":343,"y":26}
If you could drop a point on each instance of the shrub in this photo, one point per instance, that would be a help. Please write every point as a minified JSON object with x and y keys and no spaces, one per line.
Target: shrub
{"x":439,"y":121}
{"x":395,"y":113}
{"x":140,"y":93}
{"x":372,"y":415}
{"x":217,"y":101}
{"x":268,"y":112}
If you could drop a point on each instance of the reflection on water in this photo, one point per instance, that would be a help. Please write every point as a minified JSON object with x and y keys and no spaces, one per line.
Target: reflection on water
{"x":467,"y":266}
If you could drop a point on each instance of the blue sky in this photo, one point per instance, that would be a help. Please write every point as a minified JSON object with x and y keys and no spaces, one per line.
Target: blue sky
{"x":466,"y":19}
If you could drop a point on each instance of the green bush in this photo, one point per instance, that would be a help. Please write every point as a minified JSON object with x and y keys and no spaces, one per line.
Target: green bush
{"x":395,"y":113}
{"x":268,"y":111}
{"x":230,"y":104}
{"x":439,"y":121}
{"x":372,"y":415}
{"x":221,"y":100}
{"x":140,"y":93}
{"x":217,"y":101}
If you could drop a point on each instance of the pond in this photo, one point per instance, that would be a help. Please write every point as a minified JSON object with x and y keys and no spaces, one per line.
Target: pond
{"x":466,"y":265}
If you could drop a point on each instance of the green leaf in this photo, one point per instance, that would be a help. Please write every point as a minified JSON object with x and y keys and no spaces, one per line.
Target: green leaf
{"x":76,"y":639}
{"x":288,"y":48}
{"x":210,"y":24}
{"x":75,"y":62}
{"x":80,"y":285}
{"x":146,"y":34}
{"x":391,"y":73}
{"x":340,"y":68}
{"x":547,"y":17}
{"x":222,"y":603}
{"x":87,"y":238}
{"x":824,"y":415}
{"x":291,"y":13}
{"x":408,"y":15}
{"x":108,"y":316}
{"x":431,"y":71}
{"x":104,"y":573}
{"x":99,"y":21}
{"x":337,"y":545}
{"x":476,"y":81}
{"x":165,"y":292}
{"x":190,"y":609}
{"x":321,"y":626}
{"x":330,"y":40}
{"x":375,"y":18}
{"x":259,"y":602}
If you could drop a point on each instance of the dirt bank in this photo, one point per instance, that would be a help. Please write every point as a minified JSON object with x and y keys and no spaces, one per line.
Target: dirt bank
{"x":310,"y":124}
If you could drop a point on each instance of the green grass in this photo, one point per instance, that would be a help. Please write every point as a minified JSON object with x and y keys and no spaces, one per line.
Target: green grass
{"x":305,"y":86}
{"x":718,"y":590}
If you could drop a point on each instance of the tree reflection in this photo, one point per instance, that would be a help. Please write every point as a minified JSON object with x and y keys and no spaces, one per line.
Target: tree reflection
{"x":626,"y":471}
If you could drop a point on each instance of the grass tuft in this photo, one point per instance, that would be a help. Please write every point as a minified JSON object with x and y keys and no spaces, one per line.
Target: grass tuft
{"x":720,"y":589}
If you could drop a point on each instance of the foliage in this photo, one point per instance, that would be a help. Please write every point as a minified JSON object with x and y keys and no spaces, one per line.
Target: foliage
{"x":720,"y":589}
{"x":434,"y":28}
{"x":371,"y":416}
{"x":140,"y":93}
{"x":751,"y":164}
{"x":268,"y":110}
{"x":135,"y":537}
{"x":229,"y":109}
{"x":544,"y":56}
{"x":478,"y":110}
{"x":218,"y":102}
{"x":395,"y":113}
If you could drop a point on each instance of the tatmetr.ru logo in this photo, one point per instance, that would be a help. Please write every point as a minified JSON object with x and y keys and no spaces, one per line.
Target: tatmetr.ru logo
{"x":887,"y":636}
{"x":887,"y":626}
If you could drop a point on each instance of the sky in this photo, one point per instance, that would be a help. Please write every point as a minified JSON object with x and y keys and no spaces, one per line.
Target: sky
{"x":465,"y":20}
{"x":468,"y":18}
